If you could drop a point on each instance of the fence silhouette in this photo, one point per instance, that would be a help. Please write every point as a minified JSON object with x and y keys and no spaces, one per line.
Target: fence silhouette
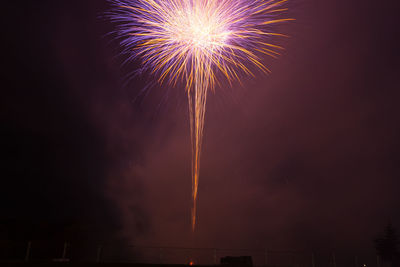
{"x":34,"y":251}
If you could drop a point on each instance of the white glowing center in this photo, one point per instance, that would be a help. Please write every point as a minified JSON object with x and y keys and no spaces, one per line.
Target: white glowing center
{"x":199,"y":29}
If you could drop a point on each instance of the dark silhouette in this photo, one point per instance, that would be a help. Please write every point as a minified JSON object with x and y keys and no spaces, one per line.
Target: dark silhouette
{"x":237,"y":261}
{"x":387,"y":245}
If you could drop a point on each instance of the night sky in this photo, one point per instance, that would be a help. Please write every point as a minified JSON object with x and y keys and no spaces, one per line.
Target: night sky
{"x":305,"y":157}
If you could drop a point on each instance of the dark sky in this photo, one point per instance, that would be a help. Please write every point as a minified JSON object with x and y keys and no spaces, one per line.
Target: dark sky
{"x":305,"y":157}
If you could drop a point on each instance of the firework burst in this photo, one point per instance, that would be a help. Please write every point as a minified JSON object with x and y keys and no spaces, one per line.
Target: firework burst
{"x":197,"y":43}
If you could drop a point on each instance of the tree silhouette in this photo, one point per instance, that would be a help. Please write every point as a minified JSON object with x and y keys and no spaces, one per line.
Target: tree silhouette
{"x":386,"y":244}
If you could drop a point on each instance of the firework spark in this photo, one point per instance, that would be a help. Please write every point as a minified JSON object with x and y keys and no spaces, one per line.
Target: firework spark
{"x":197,"y":43}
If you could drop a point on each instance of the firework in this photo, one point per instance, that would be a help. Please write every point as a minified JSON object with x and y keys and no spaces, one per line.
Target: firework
{"x":197,"y":43}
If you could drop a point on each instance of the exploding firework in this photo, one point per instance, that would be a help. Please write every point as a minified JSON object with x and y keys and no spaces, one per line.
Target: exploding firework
{"x":198,"y":43}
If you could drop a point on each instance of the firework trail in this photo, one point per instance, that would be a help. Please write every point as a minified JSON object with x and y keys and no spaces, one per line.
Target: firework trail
{"x":198,"y":43}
